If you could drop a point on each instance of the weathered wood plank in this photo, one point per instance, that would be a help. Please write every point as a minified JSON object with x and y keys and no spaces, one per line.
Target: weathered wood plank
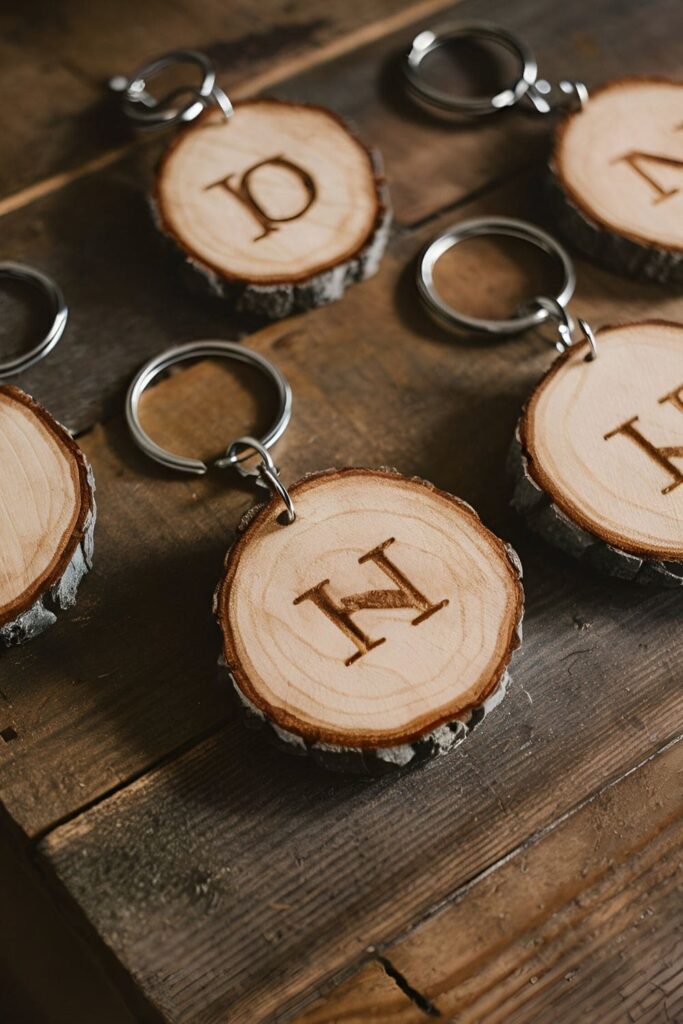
{"x":584,"y":921}
{"x":369,"y":995}
{"x":232,"y":878}
{"x":55,"y":65}
{"x":246,"y":862}
{"x":127,"y":295}
{"x":86,"y":701}
{"x":63,"y":100}
{"x":433,"y":162}
{"x":70,"y":984}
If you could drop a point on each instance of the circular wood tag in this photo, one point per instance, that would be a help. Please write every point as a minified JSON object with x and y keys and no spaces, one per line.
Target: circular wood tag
{"x":385,"y":612}
{"x":280,"y":206}
{"x":619,"y":165}
{"x":48,"y":515}
{"x":603,"y":442}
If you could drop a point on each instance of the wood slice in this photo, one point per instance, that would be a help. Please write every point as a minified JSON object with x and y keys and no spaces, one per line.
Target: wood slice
{"x":280,"y":207}
{"x":48,"y":517}
{"x":374,"y":631}
{"x":618,"y":168}
{"x":599,"y":452}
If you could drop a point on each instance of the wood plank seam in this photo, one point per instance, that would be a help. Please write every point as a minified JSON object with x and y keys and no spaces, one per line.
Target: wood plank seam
{"x":381,"y":954}
{"x":325,"y":54}
{"x":429,"y":898}
{"x":517,"y":984}
{"x":536,"y":836}
{"x":397,"y":232}
{"x":161,"y":762}
{"x":524,"y":169}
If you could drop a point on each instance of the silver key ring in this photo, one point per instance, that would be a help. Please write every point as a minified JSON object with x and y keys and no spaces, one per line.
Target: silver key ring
{"x":538,"y":91}
{"x":447,"y":316}
{"x":58,"y":307}
{"x":147,"y":112}
{"x":201,"y":350}
{"x":538,"y":311}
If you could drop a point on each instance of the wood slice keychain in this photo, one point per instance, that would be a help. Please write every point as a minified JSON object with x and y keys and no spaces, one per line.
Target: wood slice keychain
{"x":616,"y":181}
{"x":618,"y":173}
{"x":278,"y":205}
{"x":47,"y":516}
{"x":368,"y":618}
{"x":598,"y":453}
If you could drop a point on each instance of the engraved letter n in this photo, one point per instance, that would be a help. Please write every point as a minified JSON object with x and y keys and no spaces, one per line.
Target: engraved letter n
{"x":403,"y":595}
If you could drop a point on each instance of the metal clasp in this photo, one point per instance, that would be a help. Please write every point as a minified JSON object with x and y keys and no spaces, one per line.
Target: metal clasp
{"x":545,"y":99}
{"x":150,"y":113}
{"x":265,"y":472}
{"x":566,"y":326}
{"x":540,"y":93}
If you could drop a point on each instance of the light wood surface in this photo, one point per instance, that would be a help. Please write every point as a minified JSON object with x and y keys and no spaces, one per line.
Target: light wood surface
{"x":281,"y":199}
{"x":604,"y":438}
{"x":47,"y":509}
{"x":383,"y":612}
{"x":619,"y":162}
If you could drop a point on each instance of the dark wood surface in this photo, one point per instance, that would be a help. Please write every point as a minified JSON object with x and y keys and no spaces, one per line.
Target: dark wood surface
{"x":215,"y":879}
{"x":530,"y":943}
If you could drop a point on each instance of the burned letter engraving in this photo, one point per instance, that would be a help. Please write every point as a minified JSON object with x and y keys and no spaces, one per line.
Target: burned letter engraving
{"x":639,"y":161}
{"x":662,"y":455}
{"x":675,"y":397}
{"x":403,"y":595}
{"x":242,"y":191}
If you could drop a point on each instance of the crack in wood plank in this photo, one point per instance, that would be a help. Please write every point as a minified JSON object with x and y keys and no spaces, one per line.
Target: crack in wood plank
{"x":334,"y":992}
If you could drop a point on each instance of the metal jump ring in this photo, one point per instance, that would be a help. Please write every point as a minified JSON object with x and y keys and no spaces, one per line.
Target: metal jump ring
{"x":449,"y":317}
{"x":566,"y":326}
{"x":60,"y":312}
{"x":266,"y":473}
{"x":200,"y":350}
{"x":147,"y":112}
{"x":428,"y":41}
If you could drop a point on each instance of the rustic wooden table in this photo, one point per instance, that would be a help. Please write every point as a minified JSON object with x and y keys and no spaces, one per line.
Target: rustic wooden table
{"x":198,"y":875}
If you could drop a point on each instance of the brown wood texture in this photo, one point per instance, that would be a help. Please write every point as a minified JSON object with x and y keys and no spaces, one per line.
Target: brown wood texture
{"x":227,"y":880}
{"x":370,"y":995}
{"x":325,"y":681}
{"x":279,"y":207}
{"x":98,"y":722}
{"x":55,"y":65}
{"x":127,"y":295}
{"x":619,"y":165}
{"x":579,"y":629}
{"x":583,"y":922}
{"x":48,"y":507}
{"x":38,"y":936}
{"x":600,"y":437}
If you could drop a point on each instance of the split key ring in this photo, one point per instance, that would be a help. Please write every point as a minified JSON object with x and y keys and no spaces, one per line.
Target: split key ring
{"x":528,"y":85}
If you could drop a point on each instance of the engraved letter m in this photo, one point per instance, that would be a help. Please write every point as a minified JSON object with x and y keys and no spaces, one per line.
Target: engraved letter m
{"x":403,"y":595}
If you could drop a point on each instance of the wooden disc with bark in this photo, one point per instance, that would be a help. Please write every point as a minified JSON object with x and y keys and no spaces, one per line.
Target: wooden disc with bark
{"x":618,"y":177}
{"x":47,"y":520}
{"x":598,"y":455}
{"x":375,"y":630}
{"x":280,"y":207}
